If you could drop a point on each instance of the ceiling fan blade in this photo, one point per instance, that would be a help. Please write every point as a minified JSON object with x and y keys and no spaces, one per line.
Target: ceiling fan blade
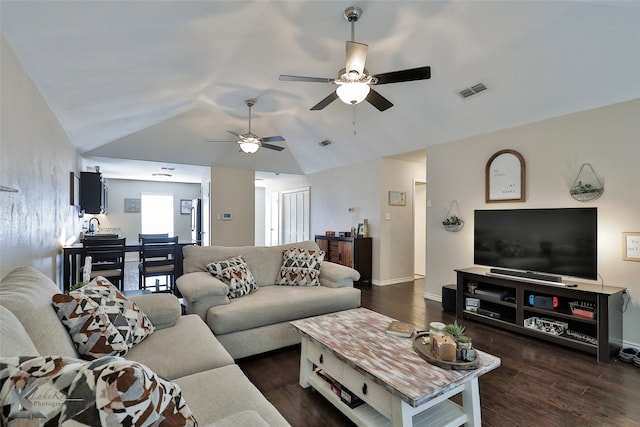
{"x":272,"y":139}
{"x":288,"y":78}
{"x":234,"y":133}
{"x":328,"y":100}
{"x":356,"y":56}
{"x":271,"y":147}
{"x":378,"y":101}
{"x":420,"y":73}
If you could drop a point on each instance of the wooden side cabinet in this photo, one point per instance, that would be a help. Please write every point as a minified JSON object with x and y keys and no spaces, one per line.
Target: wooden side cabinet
{"x":354,"y":252}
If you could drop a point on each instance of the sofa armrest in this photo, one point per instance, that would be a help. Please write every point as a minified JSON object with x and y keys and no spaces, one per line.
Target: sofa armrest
{"x":201,"y":291}
{"x":334,"y":275}
{"x":162,"y":309}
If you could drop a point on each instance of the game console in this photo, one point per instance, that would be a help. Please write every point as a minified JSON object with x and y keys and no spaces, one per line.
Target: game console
{"x":489,"y":313}
{"x":544,"y":302}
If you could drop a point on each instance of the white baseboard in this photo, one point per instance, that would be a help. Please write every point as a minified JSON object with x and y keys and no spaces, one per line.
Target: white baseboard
{"x":433,"y":297}
{"x":392,"y":281}
{"x":626,"y":344}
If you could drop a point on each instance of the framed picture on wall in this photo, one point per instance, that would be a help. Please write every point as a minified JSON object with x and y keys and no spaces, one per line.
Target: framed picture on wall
{"x":397,"y":198}
{"x":631,"y":246}
{"x":132,"y":205}
{"x":185,"y":206}
{"x":505,"y":177}
{"x":74,"y":186}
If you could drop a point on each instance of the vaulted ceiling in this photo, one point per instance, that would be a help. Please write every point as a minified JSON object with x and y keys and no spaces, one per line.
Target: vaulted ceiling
{"x":157,"y":80}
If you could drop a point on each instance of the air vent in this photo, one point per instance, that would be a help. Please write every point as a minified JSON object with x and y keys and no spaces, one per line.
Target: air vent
{"x":477,"y":88}
{"x":324,"y":143}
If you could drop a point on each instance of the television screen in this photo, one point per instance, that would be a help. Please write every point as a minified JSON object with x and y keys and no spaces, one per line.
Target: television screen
{"x":557,"y":241}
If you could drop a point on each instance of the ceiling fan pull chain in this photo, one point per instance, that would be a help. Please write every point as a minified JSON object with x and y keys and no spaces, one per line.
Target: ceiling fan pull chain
{"x":353,"y":106}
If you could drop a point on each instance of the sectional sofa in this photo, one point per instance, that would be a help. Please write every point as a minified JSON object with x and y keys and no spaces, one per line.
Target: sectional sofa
{"x":181,"y":351}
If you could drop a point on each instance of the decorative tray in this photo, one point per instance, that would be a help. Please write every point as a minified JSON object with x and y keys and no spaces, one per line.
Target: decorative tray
{"x":425,"y":352}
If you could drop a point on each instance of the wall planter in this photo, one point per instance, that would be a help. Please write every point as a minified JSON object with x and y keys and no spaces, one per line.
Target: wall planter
{"x":587,"y":186}
{"x":453,"y":222}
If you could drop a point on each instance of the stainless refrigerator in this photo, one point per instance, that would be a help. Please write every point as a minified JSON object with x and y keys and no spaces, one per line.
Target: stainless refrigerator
{"x":196,"y":221}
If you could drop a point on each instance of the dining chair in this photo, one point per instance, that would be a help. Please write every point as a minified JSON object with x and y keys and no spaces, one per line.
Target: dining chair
{"x":158,"y":259}
{"x":107,"y":259}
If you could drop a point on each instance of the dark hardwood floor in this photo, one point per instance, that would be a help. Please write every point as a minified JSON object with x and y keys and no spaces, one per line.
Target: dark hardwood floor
{"x":538,"y":383}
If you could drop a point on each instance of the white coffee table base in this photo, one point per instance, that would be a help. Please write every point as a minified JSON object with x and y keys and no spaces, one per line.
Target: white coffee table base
{"x":385,"y":408}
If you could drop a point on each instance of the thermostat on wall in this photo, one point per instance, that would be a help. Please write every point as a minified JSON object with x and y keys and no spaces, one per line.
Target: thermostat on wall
{"x":225,"y":216}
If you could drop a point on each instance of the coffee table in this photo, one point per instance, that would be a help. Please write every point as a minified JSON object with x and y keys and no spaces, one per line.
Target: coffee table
{"x":398,"y":387}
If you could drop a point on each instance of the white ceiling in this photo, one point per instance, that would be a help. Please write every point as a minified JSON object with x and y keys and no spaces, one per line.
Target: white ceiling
{"x":155,"y":80}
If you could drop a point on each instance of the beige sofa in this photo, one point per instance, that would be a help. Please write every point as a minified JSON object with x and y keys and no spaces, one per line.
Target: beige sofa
{"x":259,"y":322}
{"x":182,"y":349}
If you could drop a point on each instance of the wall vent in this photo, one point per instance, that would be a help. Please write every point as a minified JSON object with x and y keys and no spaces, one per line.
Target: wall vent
{"x":477,"y":88}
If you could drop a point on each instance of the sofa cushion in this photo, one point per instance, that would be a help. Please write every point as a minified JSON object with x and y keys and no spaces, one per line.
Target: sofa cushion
{"x":15,"y":340}
{"x":107,"y":391}
{"x":90,"y":328}
{"x":276,"y":304}
{"x":264,"y":261}
{"x":101,"y":320}
{"x":27,"y":293}
{"x":300,"y":267}
{"x":239,"y":395}
{"x":235,"y":273}
{"x":186,"y":348}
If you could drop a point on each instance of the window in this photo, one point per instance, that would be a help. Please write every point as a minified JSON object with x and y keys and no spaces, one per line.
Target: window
{"x":156,"y":213}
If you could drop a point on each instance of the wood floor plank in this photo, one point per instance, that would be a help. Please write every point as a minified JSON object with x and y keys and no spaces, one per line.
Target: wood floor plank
{"x":538,"y":384}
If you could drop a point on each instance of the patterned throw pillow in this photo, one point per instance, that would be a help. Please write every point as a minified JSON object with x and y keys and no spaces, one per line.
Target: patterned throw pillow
{"x":92,"y":314}
{"x":234,"y":272}
{"x":300,"y":267}
{"x":109,"y":391}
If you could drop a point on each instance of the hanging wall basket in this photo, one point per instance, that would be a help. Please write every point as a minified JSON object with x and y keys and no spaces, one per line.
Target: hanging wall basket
{"x":587,"y":186}
{"x":453,"y":221}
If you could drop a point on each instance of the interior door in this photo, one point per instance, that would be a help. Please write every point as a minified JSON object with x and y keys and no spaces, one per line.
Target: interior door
{"x":295,"y":216}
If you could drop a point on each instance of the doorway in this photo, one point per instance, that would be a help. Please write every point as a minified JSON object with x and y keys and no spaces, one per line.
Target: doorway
{"x":419,"y":229}
{"x":156,"y":216}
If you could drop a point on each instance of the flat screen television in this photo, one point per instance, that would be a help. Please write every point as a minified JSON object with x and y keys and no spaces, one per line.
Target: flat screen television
{"x":557,"y":241}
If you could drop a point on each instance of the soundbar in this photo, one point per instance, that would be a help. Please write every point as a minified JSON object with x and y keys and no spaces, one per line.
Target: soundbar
{"x":557,"y":280}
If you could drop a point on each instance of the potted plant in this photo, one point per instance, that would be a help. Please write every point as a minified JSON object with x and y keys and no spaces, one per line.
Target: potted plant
{"x":453,"y":223}
{"x":464,"y":347}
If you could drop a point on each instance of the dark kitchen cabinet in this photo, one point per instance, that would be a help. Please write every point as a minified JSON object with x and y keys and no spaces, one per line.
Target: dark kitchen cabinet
{"x":93,"y":193}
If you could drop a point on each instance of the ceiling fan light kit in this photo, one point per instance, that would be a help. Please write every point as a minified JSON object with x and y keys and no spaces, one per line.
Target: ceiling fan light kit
{"x":249,"y":147}
{"x":353,"y":93}
{"x":354,"y":81}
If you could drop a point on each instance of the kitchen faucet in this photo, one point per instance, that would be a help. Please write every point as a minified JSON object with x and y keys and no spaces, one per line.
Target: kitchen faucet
{"x":92,"y":228}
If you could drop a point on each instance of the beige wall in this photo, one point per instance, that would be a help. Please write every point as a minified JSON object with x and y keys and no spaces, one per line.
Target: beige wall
{"x":232,"y":191}
{"x":365,"y":187}
{"x":35,"y":158}
{"x":554,"y":151}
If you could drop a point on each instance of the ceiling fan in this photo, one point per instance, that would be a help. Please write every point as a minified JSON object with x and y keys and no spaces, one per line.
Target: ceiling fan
{"x":249,"y":142}
{"x":354,"y":81}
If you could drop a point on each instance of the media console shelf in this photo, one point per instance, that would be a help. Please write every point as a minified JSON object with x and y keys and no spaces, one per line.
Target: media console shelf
{"x":545,"y":311}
